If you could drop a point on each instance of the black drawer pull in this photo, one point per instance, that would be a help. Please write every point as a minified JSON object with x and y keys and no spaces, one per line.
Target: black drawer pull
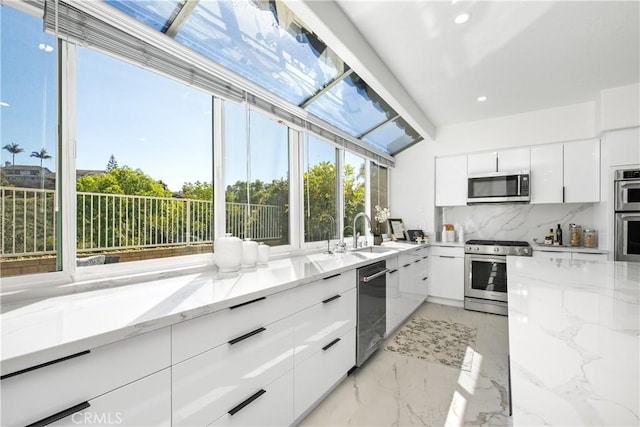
{"x":417,"y":261}
{"x":406,"y":265}
{"x":425,"y":257}
{"x":250,"y":399}
{"x":335,"y":297}
{"x":247,"y":303}
{"x":393,"y":271}
{"x":446,"y":256}
{"x":331,"y":344}
{"x":60,"y":415}
{"x":331,"y":277}
{"x":245,"y":336}
{"x":425,"y":278}
{"x":42,"y":365}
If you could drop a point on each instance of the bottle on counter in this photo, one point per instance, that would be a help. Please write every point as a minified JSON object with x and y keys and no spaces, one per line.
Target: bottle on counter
{"x":558,"y":236}
{"x":548,"y":239}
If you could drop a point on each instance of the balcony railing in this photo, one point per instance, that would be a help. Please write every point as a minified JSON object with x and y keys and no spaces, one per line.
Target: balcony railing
{"x":108,"y":222}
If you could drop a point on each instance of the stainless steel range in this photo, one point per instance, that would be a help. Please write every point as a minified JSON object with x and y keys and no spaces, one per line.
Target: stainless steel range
{"x":485,"y":272}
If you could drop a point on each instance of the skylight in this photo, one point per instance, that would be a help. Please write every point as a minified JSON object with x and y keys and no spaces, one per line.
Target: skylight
{"x":263,"y":41}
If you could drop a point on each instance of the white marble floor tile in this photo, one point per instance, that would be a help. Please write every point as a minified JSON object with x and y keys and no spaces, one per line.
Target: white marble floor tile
{"x":392,"y":389}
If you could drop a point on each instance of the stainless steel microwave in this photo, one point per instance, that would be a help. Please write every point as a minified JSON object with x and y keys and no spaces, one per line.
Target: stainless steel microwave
{"x":498,"y":187}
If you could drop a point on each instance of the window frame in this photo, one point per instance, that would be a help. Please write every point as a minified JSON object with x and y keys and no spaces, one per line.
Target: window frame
{"x":18,"y":288}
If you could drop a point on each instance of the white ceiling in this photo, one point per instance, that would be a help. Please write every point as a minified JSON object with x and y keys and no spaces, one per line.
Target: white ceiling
{"x":522,"y":55}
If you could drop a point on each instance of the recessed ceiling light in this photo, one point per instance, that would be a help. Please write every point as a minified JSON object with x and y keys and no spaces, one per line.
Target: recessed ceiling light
{"x":482,"y":98}
{"x":462,"y":18}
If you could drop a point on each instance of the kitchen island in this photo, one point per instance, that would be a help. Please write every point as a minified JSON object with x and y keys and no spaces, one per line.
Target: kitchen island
{"x":574,"y":341}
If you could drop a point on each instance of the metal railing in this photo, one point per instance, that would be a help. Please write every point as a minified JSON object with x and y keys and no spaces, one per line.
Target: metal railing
{"x":115,"y":222}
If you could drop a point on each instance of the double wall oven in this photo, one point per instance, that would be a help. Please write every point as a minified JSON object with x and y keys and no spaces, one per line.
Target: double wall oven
{"x":627,"y":207}
{"x":485,"y":272}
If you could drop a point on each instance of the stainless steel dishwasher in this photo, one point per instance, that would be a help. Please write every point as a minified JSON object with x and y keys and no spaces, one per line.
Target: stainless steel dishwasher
{"x":372,"y":315}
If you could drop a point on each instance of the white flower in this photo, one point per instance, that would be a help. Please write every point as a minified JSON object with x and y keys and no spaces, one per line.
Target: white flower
{"x":382,"y":214}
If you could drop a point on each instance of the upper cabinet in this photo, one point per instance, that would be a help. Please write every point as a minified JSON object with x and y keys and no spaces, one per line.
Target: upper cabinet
{"x":623,"y":147}
{"x":498,"y":161}
{"x":451,"y":181}
{"x":566,"y":173}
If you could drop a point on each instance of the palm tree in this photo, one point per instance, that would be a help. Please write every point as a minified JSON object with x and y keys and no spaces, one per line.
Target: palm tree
{"x":14,"y":149}
{"x":42,"y":155}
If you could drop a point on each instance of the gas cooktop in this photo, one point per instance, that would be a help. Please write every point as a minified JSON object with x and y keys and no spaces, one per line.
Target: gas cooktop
{"x":497,"y":247}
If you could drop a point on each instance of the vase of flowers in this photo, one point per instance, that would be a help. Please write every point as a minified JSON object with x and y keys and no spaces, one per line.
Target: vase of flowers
{"x":381,"y":217}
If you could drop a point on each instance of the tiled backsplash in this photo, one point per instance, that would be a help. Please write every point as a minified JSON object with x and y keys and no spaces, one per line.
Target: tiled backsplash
{"x":518,"y":222}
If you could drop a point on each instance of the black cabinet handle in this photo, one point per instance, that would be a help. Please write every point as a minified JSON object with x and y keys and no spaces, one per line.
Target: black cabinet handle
{"x":246,"y":402}
{"x":60,"y":415}
{"x":446,"y":256}
{"x":425,"y":257}
{"x":246,"y":303}
{"x":335,"y":297}
{"x":331,"y":344}
{"x":406,"y":265}
{"x":417,"y":261}
{"x":393,"y":271}
{"x":425,"y":278}
{"x":42,"y":365}
{"x":245,"y":336}
{"x":331,"y":277}
{"x":563,"y":194}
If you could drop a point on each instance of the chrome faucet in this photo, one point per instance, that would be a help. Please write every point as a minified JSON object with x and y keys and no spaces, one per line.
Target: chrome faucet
{"x":355,"y":219}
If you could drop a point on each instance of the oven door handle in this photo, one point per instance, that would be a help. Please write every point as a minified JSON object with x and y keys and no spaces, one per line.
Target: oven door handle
{"x":367,"y":279}
{"x":487,"y":258}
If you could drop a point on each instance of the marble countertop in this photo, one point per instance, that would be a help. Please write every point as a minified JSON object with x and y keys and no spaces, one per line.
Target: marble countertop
{"x":574,"y":341}
{"x":56,"y":327}
{"x":550,"y":248}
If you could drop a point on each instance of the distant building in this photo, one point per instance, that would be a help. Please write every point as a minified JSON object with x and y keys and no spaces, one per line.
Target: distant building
{"x":29,"y":176}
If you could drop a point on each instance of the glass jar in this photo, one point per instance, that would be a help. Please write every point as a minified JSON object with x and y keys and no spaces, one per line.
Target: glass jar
{"x":590,"y":238}
{"x":575,"y":235}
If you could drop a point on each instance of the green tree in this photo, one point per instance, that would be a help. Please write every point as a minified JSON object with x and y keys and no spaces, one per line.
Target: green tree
{"x":122,"y":180}
{"x":196,"y":190}
{"x":353,"y":197}
{"x":14,"y":149}
{"x":320,"y":202}
{"x":112,"y":164}
{"x":42,"y":155}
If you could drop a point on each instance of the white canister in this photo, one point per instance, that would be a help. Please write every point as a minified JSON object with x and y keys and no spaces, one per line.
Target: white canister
{"x":263,"y":253}
{"x":227,"y":253}
{"x":451,"y":236}
{"x":249,"y":253}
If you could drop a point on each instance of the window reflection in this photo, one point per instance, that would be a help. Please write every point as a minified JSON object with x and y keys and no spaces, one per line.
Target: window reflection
{"x":379,"y":194}
{"x":353,"y":183}
{"x":393,"y":137}
{"x":319,"y":185}
{"x":257,"y":176}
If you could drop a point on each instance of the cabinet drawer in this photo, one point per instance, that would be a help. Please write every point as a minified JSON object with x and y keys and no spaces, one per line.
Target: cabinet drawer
{"x":318,"y":325}
{"x":551,"y":254}
{"x":318,"y":373}
{"x":588,"y":256}
{"x":198,"y":335}
{"x":37,"y":394}
{"x":268,"y":406}
{"x":146,"y":402}
{"x":207,"y":385}
{"x":447,"y":251}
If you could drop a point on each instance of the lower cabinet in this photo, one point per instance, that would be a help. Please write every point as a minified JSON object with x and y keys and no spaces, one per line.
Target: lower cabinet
{"x":146,"y":402}
{"x":315,"y":375}
{"x":212,"y":383}
{"x":271,"y":405}
{"x":447,"y":273}
{"x":586,"y":256}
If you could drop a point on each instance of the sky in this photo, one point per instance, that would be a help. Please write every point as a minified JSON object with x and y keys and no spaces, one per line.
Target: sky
{"x":144,"y":120}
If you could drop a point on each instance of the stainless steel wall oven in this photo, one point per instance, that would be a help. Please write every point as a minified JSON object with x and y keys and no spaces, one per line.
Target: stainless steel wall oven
{"x":627,"y":216}
{"x":485,"y":272}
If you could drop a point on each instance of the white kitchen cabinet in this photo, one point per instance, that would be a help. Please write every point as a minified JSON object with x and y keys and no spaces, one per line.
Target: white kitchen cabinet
{"x":624,"y":147}
{"x":271,"y":405}
{"x":547,"y":168}
{"x":447,"y":273}
{"x":145,"y":402}
{"x":39,"y":393}
{"x":582,"y":171}
{"x":585,"y":256}
{"x":566,"y":173}
{"x":318,"y":373}
{"x":451,"y":181}
{"x":323,"y":322}
{"x":206,"y":386}
{"x":393,"y":301}
{"x":589,"y":256}
{"x":498,"y":161}
{"x":551,"y":254}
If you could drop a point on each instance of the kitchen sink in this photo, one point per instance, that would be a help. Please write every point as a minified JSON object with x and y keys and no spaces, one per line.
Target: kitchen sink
{"x":372,"y":249}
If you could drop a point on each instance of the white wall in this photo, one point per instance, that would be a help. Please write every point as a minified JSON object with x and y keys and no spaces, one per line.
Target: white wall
{"x":620,"y":107}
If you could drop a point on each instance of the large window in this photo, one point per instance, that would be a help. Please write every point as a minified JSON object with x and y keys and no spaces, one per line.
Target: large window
{"x":144,"y":164}
{"x":256,"y":169}
{"x":378,"y":193}
{"x":353,"y":183}
{"x":319,"y":190}
{"x":30,"y":227}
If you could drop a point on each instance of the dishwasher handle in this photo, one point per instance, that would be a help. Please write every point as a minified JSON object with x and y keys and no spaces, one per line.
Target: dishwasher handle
{"x":376,"y":275}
